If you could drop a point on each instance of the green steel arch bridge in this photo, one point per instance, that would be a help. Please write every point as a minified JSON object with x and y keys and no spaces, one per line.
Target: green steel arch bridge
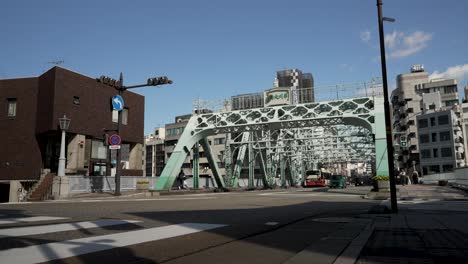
{"x":293,"y":136}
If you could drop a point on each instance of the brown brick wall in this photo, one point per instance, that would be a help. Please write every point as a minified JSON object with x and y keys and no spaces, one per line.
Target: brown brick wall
{"x":41,"y":101}
{"x":94,"y":111}
{"x":20,"y":157}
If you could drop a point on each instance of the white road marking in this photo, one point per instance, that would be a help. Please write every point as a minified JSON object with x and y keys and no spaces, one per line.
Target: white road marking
{"x":117,"y":200}
{"x":272,"y":193}
{"x":304,"y":194}
{"x":5,"y":221}
{"x":44,"y":229}
{"x":75,"y":247}
{"x":271,"y":223}
{"x":136,"y":200}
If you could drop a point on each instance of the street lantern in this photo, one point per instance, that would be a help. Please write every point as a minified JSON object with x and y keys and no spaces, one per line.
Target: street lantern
{"x":64,"y":124}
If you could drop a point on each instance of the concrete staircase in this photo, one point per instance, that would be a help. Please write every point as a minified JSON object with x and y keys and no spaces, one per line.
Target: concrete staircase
{"x":43,"y":189}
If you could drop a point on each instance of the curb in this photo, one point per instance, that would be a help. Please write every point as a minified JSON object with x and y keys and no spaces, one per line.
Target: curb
{"x":353,"y":250}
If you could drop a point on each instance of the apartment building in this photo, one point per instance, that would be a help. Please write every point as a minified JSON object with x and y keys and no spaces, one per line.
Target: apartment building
{"x":407,"y":104}
{"x":440,"y":141}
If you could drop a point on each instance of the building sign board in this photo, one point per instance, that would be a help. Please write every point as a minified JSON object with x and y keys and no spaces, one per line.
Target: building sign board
{"x":277,"y":96}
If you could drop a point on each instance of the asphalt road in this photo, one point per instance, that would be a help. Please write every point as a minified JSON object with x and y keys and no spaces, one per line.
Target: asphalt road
{"x":236,"y":227}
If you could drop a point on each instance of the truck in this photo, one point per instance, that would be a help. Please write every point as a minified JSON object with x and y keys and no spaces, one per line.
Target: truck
{"x":314,"y":179}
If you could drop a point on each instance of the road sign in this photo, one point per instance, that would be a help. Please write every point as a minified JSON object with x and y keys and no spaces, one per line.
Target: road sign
{"x":114,"y":147}
{"x":117,"y":102}
{"x":114,"y":140}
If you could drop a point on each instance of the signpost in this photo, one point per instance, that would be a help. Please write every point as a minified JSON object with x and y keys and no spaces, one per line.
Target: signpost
{"x":117,"y":102}
{"x":118,"y":105}
{"x":114,"y":141}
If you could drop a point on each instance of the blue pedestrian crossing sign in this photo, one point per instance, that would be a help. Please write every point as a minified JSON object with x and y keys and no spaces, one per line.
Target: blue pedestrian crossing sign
{"x":117,"y":102}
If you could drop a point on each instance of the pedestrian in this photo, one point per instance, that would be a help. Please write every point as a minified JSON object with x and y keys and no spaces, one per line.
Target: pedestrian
{"x":402,"y":177}
{"x":181,"y":179}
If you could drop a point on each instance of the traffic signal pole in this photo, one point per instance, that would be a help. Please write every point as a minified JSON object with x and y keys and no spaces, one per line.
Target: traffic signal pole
{"x":119,"y":156}
{"x":118,"y":85}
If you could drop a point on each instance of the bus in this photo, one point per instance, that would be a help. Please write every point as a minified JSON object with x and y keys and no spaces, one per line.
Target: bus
{"x":314,"y":179}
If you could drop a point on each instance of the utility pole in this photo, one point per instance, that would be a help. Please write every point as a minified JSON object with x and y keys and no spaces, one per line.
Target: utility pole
{"x":118,"y":85}
{"x":388,"y":130}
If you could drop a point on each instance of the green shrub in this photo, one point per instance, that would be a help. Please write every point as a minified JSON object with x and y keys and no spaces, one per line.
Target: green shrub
{"x":381,"y":178}
{"x":143,"y":182}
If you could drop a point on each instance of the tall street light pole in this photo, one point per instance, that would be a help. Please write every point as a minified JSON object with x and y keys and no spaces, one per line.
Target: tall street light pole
{"x":64,"y":123}
{"x":118,"y":85}
{"x":388,"y":131}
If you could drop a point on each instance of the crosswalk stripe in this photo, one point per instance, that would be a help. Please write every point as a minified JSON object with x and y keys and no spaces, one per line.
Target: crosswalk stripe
{"x":76,"y":247}
{"x":17,"y":220}
{"x":44,"y":229}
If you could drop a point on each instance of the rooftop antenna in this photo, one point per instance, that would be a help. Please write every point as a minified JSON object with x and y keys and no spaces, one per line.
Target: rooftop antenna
{"x":56,"y":62}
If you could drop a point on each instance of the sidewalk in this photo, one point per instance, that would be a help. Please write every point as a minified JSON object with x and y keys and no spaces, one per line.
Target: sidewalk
{"x":431,"y":227}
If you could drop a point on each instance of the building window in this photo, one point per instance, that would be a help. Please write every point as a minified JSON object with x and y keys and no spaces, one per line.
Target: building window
{"x":98,"y":150}
{"x":434,"y":169}
{"x":443,"y":120}
{"x":434,"y":137}
{"x":447,"y":167}
{"x":433,"y":121}
{"x":444,"y":136}
{"x":115,"y":116}
{"x":450,"y":89}
{"x":425,"y":170}
{"x":422,"y":123}
{"x":76,"y":100}
{"x":11,"y":107}
{"x":446,"y":152}
{"x":219,"y":141}
{"x":435,"y":153}
{"x":451,"y":103}
{"x":425,"y":154}
{"x":423,"y":138}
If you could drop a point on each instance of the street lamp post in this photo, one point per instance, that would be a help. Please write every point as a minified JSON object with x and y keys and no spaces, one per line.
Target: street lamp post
{"x":118,"y":85}
{"x":64,"y":124}
{"x":388,"y":131}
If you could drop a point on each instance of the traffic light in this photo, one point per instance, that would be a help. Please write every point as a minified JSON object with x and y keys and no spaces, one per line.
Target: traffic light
{"x":403,"y":142}
{"x":108,"y":81}
{"x":158,"y":81}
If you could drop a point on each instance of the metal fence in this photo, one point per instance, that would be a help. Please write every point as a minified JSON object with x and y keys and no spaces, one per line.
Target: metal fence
{"x":87,"y":184}
{"x":90,"y":184}
{"x":459,"y":176}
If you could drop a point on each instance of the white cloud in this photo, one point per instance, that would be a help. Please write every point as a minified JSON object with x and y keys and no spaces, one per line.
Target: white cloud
{"x":365,"y":36}
{"x":401,"y":45}
{"x":458,"y":72}
{"x":392,"y":39}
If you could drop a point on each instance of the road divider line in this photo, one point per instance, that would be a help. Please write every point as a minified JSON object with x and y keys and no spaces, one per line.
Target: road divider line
{"x":17,"y":220}
{"x":76,"y":247}
{"x":44,"y":229}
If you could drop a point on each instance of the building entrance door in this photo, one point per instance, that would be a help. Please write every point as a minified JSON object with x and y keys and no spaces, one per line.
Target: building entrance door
{"x":98,"y":169}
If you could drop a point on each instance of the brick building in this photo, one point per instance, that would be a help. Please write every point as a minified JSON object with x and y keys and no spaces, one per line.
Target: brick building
{"x":30,"y":134}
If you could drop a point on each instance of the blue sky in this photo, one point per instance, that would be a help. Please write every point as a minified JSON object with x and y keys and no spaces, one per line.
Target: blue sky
{"x":215,"y":49}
